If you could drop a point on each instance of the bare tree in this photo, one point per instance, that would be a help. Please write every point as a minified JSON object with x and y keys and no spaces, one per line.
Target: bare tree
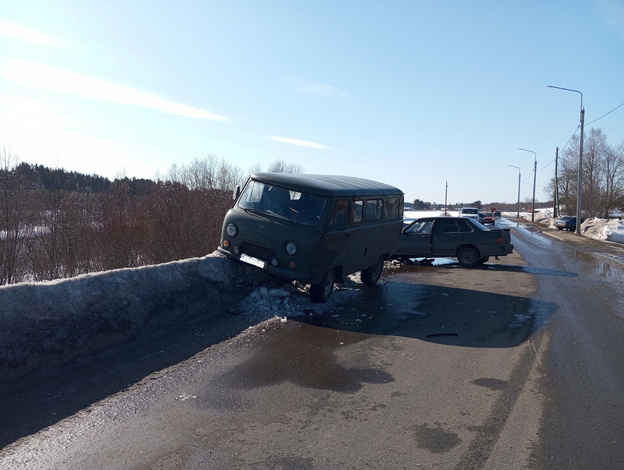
{"x":257,"y":168}
{"x":603,"y":176}
{"x":280,"y":166}
{"x":16,"y":218}
{"x":614,"y":179}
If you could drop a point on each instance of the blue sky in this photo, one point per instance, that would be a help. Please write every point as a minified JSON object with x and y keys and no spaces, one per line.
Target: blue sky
{"x":416,"y":94}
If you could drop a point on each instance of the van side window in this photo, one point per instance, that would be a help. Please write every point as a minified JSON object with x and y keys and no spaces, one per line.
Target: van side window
{"x":391,"y":208}
{"x":338,"y":215}
{"x":373,"y":209}
{"x":358,"y":209}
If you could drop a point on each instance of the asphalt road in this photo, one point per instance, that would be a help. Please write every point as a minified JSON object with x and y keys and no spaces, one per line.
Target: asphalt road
{"x":516,"y":364}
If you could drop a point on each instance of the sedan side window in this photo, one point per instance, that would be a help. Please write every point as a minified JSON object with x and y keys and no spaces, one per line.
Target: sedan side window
{"x":421,"y":227}
{"x":464,"y":226}
{"x":446,"y":226}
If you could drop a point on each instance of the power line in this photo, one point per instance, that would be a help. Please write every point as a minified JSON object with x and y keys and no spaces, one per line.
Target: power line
{"x":570,"y":139}
{"x":588,"y":123}
{"x":617,"y":107}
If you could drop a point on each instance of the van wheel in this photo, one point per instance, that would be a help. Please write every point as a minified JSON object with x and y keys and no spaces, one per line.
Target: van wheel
{"x":322,"y":291}
{"x":468,"y":257}
{"x":371,"y":275}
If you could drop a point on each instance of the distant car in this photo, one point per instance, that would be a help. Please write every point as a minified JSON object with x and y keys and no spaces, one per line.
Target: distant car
{"x":486,"y":218}
{"x":453,"y":237}
{"x":567,"y":222}
{"x":470,"y":212}
{"x":496,"y":214}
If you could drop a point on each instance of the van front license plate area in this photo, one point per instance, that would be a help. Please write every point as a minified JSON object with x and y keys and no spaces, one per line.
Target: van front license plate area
{"x":253,"y":261}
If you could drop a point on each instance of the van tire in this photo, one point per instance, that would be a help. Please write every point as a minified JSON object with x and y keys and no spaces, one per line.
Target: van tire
{"x":371,"y":275}
{"x":322,"y":291}
{"x":468,"y":257}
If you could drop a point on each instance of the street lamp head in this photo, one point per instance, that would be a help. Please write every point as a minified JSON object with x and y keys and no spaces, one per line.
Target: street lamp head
{"x":531,"y":151}
{"x":568,"y":89}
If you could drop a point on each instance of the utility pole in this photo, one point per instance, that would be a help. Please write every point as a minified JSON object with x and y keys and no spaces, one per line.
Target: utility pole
{"x":579,"y":189}
{"x":534,"y":181}
{"x":556,"y":201}
{"x":445,"y":197}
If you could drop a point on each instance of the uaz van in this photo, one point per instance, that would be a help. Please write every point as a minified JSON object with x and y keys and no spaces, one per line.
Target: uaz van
{"x":316,"y":229}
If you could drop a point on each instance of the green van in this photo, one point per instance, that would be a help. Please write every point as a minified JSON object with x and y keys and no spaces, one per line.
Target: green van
{"x":316,"y":229}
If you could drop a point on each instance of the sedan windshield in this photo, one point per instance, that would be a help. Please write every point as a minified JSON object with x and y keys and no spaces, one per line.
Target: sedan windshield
{"x":292,"y":205}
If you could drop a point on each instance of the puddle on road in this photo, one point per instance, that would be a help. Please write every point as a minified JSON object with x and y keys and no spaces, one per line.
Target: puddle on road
{"x":305,"y":355}
{"x":599,"y":266}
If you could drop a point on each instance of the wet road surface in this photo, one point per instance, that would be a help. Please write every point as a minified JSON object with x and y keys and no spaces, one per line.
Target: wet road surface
{"x":513,"y":365}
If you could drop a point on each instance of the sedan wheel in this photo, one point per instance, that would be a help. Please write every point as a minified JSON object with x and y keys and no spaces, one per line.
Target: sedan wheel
{"x":468,"y":257}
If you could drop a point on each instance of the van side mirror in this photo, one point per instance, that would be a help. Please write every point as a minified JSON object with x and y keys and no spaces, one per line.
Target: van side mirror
{"x":236,"y":192}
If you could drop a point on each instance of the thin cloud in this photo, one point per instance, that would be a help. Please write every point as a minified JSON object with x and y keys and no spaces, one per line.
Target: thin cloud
{"x":319,"y":90}
{"x":24,"y":34}
{"x":65,"y":81}
{"x":300,"y":143}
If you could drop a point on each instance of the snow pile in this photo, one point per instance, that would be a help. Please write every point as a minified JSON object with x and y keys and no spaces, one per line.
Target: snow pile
{"x":599,"y":229}
{"x":611,"y":230}
{"x":58,"y":320}
{"x":292,"y":300}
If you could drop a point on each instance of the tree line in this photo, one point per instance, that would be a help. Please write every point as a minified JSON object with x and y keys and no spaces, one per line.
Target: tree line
{"x":602,"y":172}
{"x":58,"y":224}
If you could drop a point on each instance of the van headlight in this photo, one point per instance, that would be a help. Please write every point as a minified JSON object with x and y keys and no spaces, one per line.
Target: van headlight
{"x":231,"y":230}
{"x":291,"y":248}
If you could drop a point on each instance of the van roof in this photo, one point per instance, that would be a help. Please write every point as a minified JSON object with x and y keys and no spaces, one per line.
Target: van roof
{"x":328,"y":185}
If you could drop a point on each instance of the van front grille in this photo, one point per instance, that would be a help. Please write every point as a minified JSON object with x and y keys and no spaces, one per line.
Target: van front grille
{"x":257,"y":251}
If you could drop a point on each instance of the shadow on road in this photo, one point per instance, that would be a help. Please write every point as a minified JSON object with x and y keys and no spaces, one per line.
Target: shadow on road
{"x":47,"y":397}
{"x":442,"y":315}
{"x":450,"y":264}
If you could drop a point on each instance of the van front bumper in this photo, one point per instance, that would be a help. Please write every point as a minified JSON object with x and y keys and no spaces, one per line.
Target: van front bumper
{"x":276,"y":270}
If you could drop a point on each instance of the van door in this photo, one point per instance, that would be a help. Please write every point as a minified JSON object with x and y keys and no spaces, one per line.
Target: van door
{"x":367,"y":233}
{"x":336,"y":239}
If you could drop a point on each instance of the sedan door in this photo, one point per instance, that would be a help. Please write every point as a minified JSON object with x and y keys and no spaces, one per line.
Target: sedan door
{"x":416,"y":240}
{"x":446,"y":236}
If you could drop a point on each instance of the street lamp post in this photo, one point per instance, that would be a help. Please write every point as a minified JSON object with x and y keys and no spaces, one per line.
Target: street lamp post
{"x":580,"y":165}
{"x":534,"y":181}
{"x":518,"y":187}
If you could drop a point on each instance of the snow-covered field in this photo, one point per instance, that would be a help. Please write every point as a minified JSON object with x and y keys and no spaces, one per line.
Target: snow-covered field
{"x":600,"y":229}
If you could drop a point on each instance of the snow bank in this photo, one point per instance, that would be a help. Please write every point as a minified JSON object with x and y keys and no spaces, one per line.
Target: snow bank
{"x":599,"y":229}
{"x":55,"y":321}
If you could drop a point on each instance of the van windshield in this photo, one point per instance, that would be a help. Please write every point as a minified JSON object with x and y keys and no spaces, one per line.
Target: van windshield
{"x":300,"y":208}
